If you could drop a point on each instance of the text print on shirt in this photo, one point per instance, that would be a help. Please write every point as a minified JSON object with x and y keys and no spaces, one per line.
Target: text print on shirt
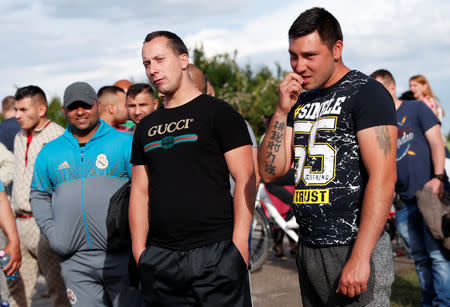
{"x":405,"y":138}
{"x":172,"y":127}
{"x":309,"y":120}
{"x":169,"y":141}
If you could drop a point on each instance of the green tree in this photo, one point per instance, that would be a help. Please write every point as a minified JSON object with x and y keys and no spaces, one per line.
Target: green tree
{"x":448,"y":140}
{"x":55,"y":113}
{"x":253,"y":93}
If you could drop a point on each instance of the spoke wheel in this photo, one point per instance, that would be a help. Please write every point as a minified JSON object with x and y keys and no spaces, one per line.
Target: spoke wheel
{"x":261,"y":240}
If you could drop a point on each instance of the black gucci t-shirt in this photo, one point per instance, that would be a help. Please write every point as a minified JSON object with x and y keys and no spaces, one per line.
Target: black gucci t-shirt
{"x":183,"y":148}
{"x":330,"y":176}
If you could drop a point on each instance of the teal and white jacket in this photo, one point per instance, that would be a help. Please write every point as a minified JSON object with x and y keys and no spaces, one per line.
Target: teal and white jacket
{"x":72,"y":185}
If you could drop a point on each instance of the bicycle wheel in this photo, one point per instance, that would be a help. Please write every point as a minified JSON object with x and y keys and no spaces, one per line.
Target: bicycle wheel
{"x":261,"y":240}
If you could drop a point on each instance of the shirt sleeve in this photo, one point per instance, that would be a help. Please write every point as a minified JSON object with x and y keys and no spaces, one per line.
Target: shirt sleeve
{"x":427,"y":118}
{"x":41,"y":197}
{"x":230,"y":128}
{"x":41,"y":179}
{"x":374,"y":106}
{"x":137,"y":152}
{"x":6,"y":165}
{"x":252,"y":135}
{"x":40,"y":203}
{"x":2,"y":188}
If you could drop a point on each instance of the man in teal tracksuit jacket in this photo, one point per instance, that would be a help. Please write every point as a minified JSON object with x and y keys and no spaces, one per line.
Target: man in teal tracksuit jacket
{"x":74,"y":177}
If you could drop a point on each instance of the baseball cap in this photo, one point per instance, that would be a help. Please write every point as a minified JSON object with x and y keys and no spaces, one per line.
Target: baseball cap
{"x":79,"y":91}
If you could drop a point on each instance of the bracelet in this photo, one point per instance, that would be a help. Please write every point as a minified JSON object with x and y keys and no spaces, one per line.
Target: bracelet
{"x":441,"y":177}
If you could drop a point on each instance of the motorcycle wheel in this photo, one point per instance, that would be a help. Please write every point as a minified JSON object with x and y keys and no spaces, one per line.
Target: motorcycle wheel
{"x":261,"y":240}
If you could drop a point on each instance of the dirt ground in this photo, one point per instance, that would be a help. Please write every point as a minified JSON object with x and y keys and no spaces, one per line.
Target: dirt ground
{"x":276,"y":284}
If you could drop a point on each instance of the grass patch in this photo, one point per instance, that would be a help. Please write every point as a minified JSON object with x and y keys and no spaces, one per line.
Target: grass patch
{"x":406,"y":290}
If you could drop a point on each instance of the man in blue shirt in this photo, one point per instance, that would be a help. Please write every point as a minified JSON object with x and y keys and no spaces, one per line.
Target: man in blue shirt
{"x":420,"y":163}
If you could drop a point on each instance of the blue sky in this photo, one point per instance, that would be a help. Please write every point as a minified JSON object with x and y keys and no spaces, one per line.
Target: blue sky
{"x":52,"y":43}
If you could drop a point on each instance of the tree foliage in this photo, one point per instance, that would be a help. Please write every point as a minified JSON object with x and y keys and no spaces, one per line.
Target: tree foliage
{"x":253,"y":93}
{"x":55,"y":113}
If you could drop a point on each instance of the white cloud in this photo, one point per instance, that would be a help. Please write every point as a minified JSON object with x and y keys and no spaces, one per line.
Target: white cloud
{"x":116,"y":11}
{"x":264,"y":33}
{"x":52,"y":43}
{"x":406,"y":37}
{"x":376,"y":29}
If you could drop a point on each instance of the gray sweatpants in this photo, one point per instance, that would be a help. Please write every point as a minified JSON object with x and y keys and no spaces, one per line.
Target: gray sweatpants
{"x":96,"y":278}
{"x":320,"y":269}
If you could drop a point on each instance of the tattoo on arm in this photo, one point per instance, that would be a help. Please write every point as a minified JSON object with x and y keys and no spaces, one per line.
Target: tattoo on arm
{"x":273,"y":147}
{"x":384,"y":141}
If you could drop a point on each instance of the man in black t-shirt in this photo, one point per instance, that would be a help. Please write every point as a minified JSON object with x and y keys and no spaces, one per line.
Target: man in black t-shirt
{"x":189,"y":234}
{"x":341,"y":132}
{"x":201,"y":82}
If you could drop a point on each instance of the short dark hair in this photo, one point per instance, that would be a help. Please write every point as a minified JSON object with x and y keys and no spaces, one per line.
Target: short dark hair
{"x":109,"y":89}
{"x":175,"y":42}
{"x":31,"y":91}
{"x":408,"y":95}
{"x":320,"y":20}
{"x":138,"y":88}
{"x":8,"y":103}
{"x":385,"y":75}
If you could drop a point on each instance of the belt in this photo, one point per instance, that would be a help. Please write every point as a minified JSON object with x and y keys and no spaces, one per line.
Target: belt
{"x":25,"y":216}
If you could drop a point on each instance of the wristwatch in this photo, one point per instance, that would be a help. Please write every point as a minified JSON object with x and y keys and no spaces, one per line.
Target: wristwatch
{"x":441,"y":177}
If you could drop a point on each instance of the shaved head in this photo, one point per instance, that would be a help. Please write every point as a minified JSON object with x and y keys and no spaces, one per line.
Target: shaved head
{"x":112,"y":105}
{"x":198,"y":77}
{"x":109,"y":95}
{"x":8,"y":104}
{"x":384,"y":76}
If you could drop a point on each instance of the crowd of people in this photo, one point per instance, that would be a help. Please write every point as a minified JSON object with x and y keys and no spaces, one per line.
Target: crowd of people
{"x":194,"y":166}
